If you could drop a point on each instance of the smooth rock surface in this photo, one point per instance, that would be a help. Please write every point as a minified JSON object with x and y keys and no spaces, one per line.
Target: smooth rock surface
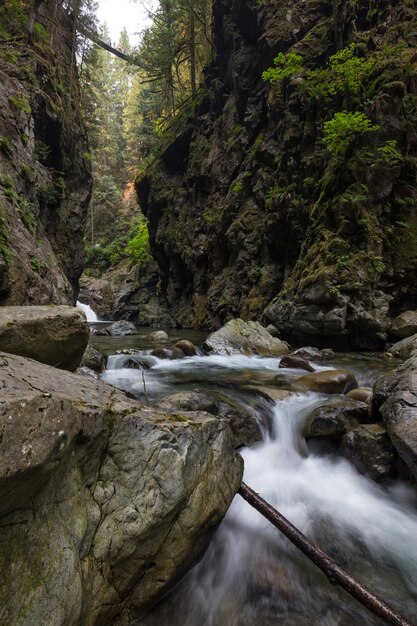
{"x":94,"y":360}
{"x":55,"y":335}
{"x":122,"y":328}
{"x":403,"y":349}
{"x":239,"y":337}
{"x":329,"y":381}
{"x":157,"y":335}
{"x":296,"y":362}
{"x":335,"y":418}
{"x":187,"y":347}
{"x":103,"y":503}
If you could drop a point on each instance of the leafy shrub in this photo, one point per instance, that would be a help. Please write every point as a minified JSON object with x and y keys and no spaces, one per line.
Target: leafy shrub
{"x":284,"y":65}
{"x":341,"y":130}
{"x":138,"y":249}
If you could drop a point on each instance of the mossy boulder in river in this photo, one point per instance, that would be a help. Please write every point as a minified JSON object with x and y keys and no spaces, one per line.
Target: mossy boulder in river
{"x":239,"y":337}
{"x":104,"y":503}
{"x":55,"y":335}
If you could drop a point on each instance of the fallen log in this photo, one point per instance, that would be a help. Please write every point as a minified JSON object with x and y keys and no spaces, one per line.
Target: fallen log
{"x":335,"y":574}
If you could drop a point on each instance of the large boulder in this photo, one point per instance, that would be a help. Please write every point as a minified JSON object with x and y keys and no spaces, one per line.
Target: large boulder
{"x":404,"y":325}
{"x":122,"y":328}
{"x":55,"y":335}
{"x":327,"y":381}
{"x":403,"y":349}
{"x":104,"y":503}
{"x":239,"y":337}
{"x":370,"y":450}
{"x":396,"y":396}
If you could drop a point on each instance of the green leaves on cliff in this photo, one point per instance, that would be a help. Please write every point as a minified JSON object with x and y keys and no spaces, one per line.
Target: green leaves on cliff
{"x":343,"y":128}
{"x":284,"y":65}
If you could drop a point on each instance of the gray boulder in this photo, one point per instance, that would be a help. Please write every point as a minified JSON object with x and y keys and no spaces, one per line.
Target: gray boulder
{"x":55,"y":335}
{"x":94,"y":360}
{"x":370,"y":450}
{"x":403,"y":349}
{"x":239,"y":337}
{"x":396,"y":396}
{"x":122,"y":328}
{"x":405,"y":324}
{"x":157,"y":335}
{"x":104,"y":503}
{"x":296,"y":362}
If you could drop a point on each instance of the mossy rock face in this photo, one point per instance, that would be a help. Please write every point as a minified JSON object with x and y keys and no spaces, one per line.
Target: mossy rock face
{"x":55,"y":335}
{"x":113,"y":492}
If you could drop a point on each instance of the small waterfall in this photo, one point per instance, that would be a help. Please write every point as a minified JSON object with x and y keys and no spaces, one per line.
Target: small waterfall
{"x":91,"y":316}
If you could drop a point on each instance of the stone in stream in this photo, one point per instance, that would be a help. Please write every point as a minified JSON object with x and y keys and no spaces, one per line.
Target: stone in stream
{"x":157,"y":335}
{"x":364,"y":394}
{"x":104,"y":503}
{"x":329,"y":381}
{"x":308,"y":352}
{"x":295,"y":362}
{"x":370,"y":450}
{"x":122,"y":328}
{"x":187,"y":347}
{"x":335,"y":418}
{"x":239,"y":337}
{"x":171,"y":353}
{"x":94,"y":360}
{"x":55,"y":335}
{"x":136,"y":364}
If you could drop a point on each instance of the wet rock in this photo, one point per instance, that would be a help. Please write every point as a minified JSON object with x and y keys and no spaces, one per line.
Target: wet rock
{"x":157,"y":335}
{"x":396,"y":397}
{"x":329,"y":381}
{"x":187,"y":347}
{"x":101,"y":332}
{"x":335,"y":418}
{"x":364,"y":394}
{"x":403,"y":349}
{"x":370,"y":450}
{"x":327,"y":353}
{"x":55,"y":335}
{"x":136,"y":364}
{"x":114,"y":493}
{"x":87,"y":372}
{"x":404,"y":325}
{"x":309,"y":352}
{"x":239,"y":337}
{"x":122,"y":328}
{"x":295,"y":362}
{"x":94,"y":360}
{"x":168,"y":353}
{"x":273,"y":330}
{"x":269,"y":393}
{"x":241,"y":419}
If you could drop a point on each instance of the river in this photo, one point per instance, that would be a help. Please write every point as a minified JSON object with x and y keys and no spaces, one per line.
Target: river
{"x":251,"y":574}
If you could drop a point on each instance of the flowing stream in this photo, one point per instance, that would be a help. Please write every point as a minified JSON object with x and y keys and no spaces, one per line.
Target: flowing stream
{"x":89,"y":313}
{"x":251,"y":574}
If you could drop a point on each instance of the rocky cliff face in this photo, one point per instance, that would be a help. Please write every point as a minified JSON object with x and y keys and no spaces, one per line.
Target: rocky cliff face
{"x":44,"y":169}
{"x":252,"y":215}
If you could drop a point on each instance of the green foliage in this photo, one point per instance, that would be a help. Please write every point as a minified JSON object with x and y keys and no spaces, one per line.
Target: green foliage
{"x":4,"y":230}
{"x":238,"y":187}
{"x":285,"y":65}
{"x":376,"y":264}
{"x":5,"y":145}
{"x":138,"y":248}
{"x":343,"y":128}
{"x":389,"y":153}
{"x":20,"y":103}
{"x":35,"y":264}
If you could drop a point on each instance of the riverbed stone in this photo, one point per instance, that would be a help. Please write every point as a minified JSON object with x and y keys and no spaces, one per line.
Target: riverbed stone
{"x":309,"y":353}
{"x":328,"y":381}
{"x":295,"y":362}
{"x":122,"y":328}
{"x":104,"y":503}
{"x":55,"y":335}
{"x":187,"y":347}
{"x":395,"y":395}
{"x":94,"y":360}
{"x":404,"y":325}
{"x":364,"y":394}
{"x":171,"y":353}
{"x":335,"y":418}
{"x":157,"y":335}
{"x":239,"y":337}
{"x":370,"y":450}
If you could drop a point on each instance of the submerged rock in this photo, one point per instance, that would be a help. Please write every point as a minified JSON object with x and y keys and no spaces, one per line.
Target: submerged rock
{"x":157,"y":335}
{"x":370,"y":450}
{"x":104,"y":503}
{"x":55,"y":335}
{"x":329,"y":381}
{"x":239,"y":337}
